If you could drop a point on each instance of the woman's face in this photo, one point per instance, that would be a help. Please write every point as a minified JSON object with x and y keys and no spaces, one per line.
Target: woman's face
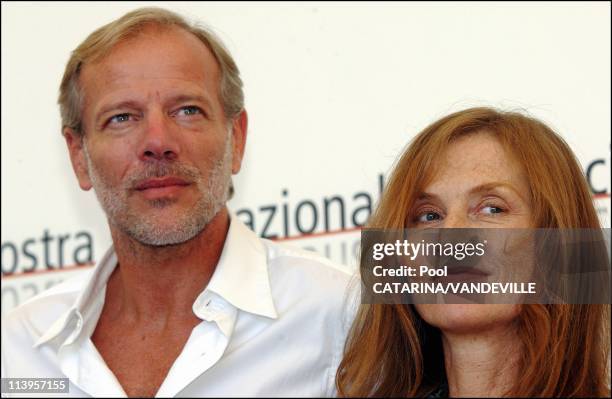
{"x":478,"y":185}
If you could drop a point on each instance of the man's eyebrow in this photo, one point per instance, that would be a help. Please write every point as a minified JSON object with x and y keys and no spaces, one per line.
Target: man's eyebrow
{"x":117,"y":105}
{"x":181,"y":98}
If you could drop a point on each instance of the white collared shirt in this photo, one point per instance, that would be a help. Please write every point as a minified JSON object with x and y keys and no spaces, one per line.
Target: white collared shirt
{"x":280,"y":314}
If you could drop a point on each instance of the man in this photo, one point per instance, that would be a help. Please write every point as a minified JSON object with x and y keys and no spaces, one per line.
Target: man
{"x":188,"y":301}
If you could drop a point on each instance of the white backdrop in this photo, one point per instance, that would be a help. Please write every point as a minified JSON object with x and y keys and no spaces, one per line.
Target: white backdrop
{"x":334,"y":92}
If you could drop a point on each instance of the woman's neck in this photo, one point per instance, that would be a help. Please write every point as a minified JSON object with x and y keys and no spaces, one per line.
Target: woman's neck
{"x":482,"y":364}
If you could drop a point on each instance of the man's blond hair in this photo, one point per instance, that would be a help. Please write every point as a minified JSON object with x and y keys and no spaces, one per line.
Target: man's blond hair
{"x":101,"y":42}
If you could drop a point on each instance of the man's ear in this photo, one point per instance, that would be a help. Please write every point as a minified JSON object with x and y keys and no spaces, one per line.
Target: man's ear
{"x":239,"y":133}
{"x":75,"y":143}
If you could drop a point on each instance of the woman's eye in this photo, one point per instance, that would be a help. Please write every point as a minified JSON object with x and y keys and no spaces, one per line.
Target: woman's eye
{"x":426,"y":217}
{"x":490,"y":209}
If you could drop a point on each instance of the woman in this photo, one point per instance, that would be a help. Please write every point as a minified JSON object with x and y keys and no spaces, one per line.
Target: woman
{"x":481,"y":168}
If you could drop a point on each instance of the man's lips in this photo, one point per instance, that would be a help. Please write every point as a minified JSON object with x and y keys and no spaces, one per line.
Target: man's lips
{"x":161,"y":183}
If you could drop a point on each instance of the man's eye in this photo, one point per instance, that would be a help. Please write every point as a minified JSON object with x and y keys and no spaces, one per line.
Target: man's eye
{"x":119,"y":118}
{"x":190,"y":110}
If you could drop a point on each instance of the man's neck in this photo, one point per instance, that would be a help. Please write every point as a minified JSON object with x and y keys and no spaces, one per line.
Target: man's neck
{"x":160,"y":284}
{"x":482,"y":364}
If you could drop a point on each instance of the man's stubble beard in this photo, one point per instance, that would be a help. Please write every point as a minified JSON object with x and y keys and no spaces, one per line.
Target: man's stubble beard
{"x":153,"y":229}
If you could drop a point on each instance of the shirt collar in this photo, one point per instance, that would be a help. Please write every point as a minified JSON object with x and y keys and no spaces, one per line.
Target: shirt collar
{"x":240,"y":278}
{"x":86,"y":308}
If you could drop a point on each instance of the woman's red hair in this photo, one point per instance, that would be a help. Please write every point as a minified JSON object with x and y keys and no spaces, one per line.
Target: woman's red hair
{"x":392,"y":352}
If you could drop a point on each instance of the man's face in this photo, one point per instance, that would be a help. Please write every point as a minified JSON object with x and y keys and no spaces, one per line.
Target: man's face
{"x":158,"y":149}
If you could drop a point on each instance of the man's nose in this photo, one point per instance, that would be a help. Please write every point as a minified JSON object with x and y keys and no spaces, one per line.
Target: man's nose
{"x":159,"y":141}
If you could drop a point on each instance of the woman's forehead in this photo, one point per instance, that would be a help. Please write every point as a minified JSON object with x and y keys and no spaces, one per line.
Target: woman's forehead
{"x":473,"y":160}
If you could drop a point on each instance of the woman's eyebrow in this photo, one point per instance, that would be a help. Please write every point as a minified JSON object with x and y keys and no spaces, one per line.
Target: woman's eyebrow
{"x":425,"y":196}
{"x":481,"y":188}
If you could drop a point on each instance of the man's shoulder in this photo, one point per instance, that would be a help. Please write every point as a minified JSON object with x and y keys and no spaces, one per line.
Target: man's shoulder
{"x":38,"y":313}
{"x":290,"y":257}
{"x":307,"y":274}
{"x":308,"y":286}
{"x":283,"y":258}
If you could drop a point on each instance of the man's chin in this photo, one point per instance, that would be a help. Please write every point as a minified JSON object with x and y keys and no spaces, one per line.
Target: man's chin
{"x":160,"y":236}
{"x":168,"y":223}
{"x":161,"y":203}
{"x":162,"y":227}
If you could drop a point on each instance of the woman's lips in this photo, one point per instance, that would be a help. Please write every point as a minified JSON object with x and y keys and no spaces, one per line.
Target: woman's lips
{"x":463,"y":274}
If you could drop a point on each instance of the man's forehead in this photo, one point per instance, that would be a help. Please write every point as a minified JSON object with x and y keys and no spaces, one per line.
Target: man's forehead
{"x":161,"y":45}
{"x":164,"y":56}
